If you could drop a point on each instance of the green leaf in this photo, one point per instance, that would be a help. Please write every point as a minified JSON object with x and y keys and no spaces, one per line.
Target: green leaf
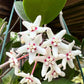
{"x":27,"y":68}
{"x":19,"y":10}
{"x":3,"y":25}
{"x":10,"y":78}
{"x":82,"y":47}
{"x":16,"y":44}
{"x":58,"y":81}
{"x":70,"y":73}
{"x":14,"y":79}
{"x":70,"y":38}
{"x":37,"y":72}
{"x":48,"y":9}
{"x":7,"y":78}
{"x":7,"y":48}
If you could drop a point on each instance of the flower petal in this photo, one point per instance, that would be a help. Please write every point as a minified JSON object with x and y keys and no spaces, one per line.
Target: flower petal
{"x":31,"y":57}
{"x":37,"y":81}
{"x":22,"y":49}
{"x":41,"y":29}
{"x":26,"y":38}
{"x":61,"y":34}
{"x":76,"y":52}
{"x":62,"y":74}
{"x":48,"y":51}
{"x":27,"y":24}
{"x":64,"y":61}
{"x":49,"y":76}
{"x":24,"y":32}
{"x":37,"y":21}
{"x":9,"y":54}
{"x":63,"y":48}
{"x":32,"y":35}
{"x":40,"y":58}
{"x":50,"y":33}
{"x":71,"y":45}
{"x":41,"y":50}
{"x":70,"y":63}
{"x":60,"y":56}
{"x":46,"y":43}
{"x":56,"y":68}
{"x":38,"y":39}
{"x":23,"y":81}
{"x":22,"y":74}
{"x":44,"y":70}
{"x":55,"y":51}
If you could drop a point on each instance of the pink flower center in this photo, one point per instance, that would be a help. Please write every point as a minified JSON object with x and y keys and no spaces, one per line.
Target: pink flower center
{"x":11,"y":52}
{"x":49,"y":61}
{"x":31,"y":47}
{"x":29,"y":79}
{"x":54,"y":72}
{"x":33,"y":28}
{"x":69,"y":55}
{"x":55,"y":41}
{"x":13,"y":61}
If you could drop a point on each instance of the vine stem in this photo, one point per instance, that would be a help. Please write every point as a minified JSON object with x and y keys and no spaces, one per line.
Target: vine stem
{"x":6,"y":63}
{"x":5,"y":73}
{"x":3,"y":65}
{"x":34,"y":67}
{"x":22,"y":57}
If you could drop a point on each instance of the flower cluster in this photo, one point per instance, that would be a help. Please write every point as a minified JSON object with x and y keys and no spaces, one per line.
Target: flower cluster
{"x":49,"y":50}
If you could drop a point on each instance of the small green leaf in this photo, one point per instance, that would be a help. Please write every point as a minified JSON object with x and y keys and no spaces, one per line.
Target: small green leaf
{"x":19,"y":10}
{"x":15,"y":37}
{"x":48,"y":9}
{"x":58,"y":81}
{"x":70,"y":38}
{"x":82,"y":47}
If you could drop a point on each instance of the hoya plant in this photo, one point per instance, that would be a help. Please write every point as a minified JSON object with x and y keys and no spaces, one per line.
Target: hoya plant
{"x":43,"y":57}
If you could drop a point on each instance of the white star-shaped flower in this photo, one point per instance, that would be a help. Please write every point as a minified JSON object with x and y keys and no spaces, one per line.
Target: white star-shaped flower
{"x":69,"y":53}
{"x":33,"y":48}
{"x":12,"y":60}
{"x":53,"y":74}
{"x":49,"y":60}
{"x":54,"y":41}
{"x":29,"y":79}
{"x":25,"y":39}
{"x":33,"y":28}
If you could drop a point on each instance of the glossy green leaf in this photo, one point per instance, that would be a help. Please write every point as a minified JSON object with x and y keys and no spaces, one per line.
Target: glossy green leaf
{"x":19,"y":10}
{"x":48,"y":9}
{"x":82,"y":47}
{"x":10,"y":78}
{"x":70,"y":38}
{"x":15,"y":79}
{"x":7,"y":78}
{"x":58,"y":81}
